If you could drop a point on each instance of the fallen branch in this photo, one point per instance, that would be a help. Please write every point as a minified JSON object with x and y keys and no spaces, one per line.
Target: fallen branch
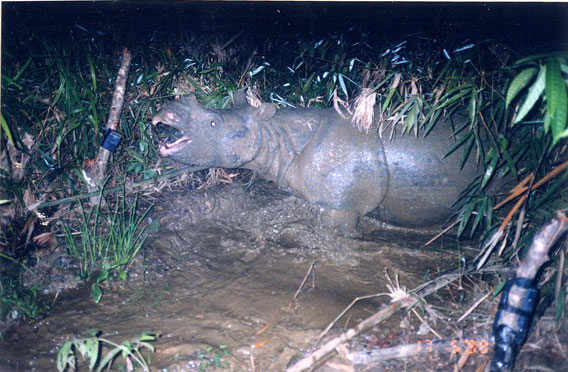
{"x":129,"y":187}
{"x":421,"y":291}
{"x":475,"y":344}
{"x":311,"y":359}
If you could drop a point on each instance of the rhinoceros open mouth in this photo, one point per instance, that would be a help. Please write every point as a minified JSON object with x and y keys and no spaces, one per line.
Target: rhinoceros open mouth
{"x":168,"y":149}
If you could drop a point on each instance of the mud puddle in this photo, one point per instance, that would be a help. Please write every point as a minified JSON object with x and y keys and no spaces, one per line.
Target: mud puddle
{"x":223,"y":270}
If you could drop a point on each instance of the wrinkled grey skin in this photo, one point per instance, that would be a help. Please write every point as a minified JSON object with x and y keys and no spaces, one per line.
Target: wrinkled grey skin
{"x":317,"y":154}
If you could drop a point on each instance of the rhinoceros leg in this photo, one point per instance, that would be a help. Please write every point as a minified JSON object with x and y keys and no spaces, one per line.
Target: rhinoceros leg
{"x":344,"y":222}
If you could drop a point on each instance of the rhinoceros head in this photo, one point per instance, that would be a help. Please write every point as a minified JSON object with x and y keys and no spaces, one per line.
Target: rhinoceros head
{"x":216,"y":138}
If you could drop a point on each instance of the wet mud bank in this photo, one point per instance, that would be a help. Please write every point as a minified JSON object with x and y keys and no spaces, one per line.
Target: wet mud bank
{"x":223,"y":270}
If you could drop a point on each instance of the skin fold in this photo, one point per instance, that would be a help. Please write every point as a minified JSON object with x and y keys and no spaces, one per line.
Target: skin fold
{"x":318,"y":155}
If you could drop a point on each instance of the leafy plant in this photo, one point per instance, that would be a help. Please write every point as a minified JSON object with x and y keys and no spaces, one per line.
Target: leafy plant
{"x":522,"y":136}
{"x":214,"y":357}
{"x":14,"y":298}
{"x":91,"y":349}
{"x":108,"y":242}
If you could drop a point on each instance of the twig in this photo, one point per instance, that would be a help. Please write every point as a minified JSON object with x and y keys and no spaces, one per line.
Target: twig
{"x":343,"y":313}
{"x":429,"y":346}
{"x":559,"y":277}
{"x":443,"y":232}
{"x":475,"y":305}
{"x":314,"y":357}
{"x":301,"y":285}
{"x":119,"y":188}
{"x":422,"y":291}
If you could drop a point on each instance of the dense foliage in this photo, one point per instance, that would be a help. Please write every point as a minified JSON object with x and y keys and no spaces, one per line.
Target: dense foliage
{"x":56,"y":97}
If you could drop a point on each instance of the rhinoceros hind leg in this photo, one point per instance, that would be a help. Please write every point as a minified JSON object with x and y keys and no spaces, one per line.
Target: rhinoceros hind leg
{"x":344,"y":222}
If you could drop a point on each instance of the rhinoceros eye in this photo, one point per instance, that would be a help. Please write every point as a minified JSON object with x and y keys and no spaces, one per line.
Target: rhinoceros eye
{"x":212,"y":123}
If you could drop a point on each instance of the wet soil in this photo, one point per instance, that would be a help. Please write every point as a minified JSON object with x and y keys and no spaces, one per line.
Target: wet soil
{"x":224,"y":269}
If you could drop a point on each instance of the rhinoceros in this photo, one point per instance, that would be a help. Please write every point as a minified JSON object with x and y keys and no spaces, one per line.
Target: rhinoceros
{"x":319,"y":155}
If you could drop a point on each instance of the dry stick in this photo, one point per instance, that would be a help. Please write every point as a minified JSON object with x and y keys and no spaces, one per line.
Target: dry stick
{"x":310,"y":360}
{"x":301,"y":285}
{"x":443,"y":232}
{"x":129,"y":187}
{"x":357,"y":299}
{"x":454,"y":345}
{"x":559,"y":275}
{"x":475,"y":305}
{"x":112,"y":122}
{"x":422,"y":291}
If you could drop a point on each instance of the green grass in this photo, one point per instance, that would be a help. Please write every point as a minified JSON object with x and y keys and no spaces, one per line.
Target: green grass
{"x":106,"y":242}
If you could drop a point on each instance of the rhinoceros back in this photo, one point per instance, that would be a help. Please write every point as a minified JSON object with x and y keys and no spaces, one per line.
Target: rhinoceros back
{"x":424,"y":185}
{"x":340,"y":167}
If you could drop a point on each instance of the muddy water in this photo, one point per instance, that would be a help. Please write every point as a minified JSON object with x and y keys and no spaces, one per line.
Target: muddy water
{"x":223,"y":269}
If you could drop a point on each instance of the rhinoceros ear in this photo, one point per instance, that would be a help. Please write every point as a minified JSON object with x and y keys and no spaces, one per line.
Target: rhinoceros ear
{"x":240,"y":98}
{"x":265,"y":111}
{"x":190,"y":99}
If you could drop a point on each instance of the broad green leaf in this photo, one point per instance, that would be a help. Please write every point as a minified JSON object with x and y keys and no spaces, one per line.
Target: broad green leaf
{"x":534,"y":94}
{"x":308,"y":83}
{"x":256,"y":71}
{"x":490,"y":155}
{"x":148,"y":336}
{"x":126,"y":347}
{"x":387,"y":100}
{"x":554,"y":85}
{"x":94,"y":332}
{"x":92,"y":351}
{"x":532,"y":59}
{"x":4,"y":128}
{"x":108,"y":358}
{"x":96,"y":293}
{"x":65,"y":357}
{"x":556,"y":100}
{"x":519,"y":83}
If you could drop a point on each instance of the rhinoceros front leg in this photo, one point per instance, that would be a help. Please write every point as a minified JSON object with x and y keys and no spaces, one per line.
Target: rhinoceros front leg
{"x":343,"y":222}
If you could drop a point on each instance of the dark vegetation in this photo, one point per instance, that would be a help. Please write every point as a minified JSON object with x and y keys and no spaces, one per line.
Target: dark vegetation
{"x":58,"y":77}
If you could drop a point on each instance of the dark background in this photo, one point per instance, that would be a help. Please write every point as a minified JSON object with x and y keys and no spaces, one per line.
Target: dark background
{"x":526,"y":27}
